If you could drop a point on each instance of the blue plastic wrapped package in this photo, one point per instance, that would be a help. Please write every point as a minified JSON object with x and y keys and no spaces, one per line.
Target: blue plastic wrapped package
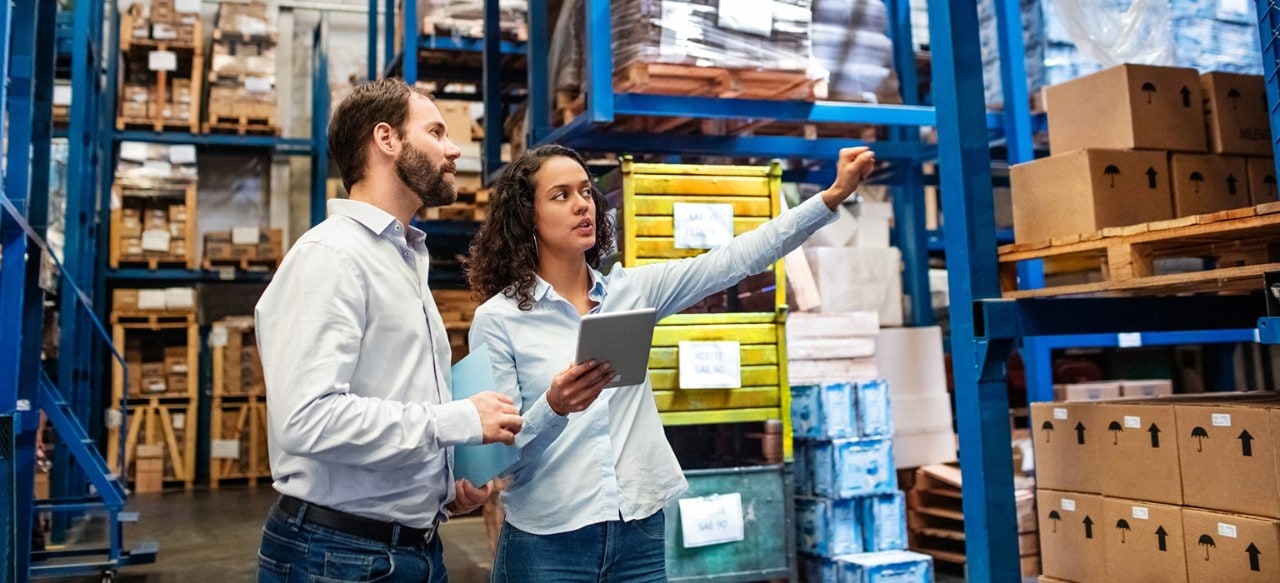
{"x":874,"y":417}
{"x":828,"y":528}
{"x":822,"y":411}
{"x":884,"y":522}
{"x":847,"y":468}
{"x":820,"y":569}
{"x":886,"y":567}
{"x":802,"y":468}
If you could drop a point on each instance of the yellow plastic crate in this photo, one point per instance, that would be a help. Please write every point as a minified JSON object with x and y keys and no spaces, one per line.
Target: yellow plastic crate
{"x":644,"y":196}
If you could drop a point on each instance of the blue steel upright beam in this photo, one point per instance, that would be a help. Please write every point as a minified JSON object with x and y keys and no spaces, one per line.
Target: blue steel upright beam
{"x":597,"y":62}
{"x":982,"y":401}
{"x":491,"y":80}
{"x":373,"y":41}
{"x":539,"y":82}
{"x":1269,"y":37}
{"x":908,"y":200}
{"x":409,"y":44}
{"x":320,"y":118}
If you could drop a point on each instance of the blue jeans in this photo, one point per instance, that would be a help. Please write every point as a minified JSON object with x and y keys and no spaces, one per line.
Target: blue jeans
{"x":296,"y":552}
{"x":603,"y":552}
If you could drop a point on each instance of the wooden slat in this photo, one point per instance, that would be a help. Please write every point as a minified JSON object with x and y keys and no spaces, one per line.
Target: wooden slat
{"x":752,"y":376}
{"x":707,"y":399}
{"x":691,"y":185}
{"x":646,"y":170}
{"x":1246,"y":278}
{"x":743,"y":333}
{"x":743,"y":206}
{"x":750,"y":355}
{"x":650,"y":226}
{"x":719,"y":416}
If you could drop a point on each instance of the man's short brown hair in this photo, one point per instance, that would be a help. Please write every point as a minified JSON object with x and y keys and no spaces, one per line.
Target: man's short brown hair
{"x":384,"y":100}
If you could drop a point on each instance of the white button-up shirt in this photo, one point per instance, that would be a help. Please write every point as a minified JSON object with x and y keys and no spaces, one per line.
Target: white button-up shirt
{"x":356,"y":361}
{"x":612,"y":460}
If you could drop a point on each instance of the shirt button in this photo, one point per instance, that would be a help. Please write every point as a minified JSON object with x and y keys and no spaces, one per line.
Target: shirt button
{"x":397,"y":227}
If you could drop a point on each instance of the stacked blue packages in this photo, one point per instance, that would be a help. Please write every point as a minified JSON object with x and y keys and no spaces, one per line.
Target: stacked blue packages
{"x":828,"y":528}
{"x":886,"y":567}
{"x":846,"y":468}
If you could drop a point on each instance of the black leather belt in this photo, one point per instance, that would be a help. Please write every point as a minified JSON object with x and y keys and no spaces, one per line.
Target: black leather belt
{"x":368,"y":528}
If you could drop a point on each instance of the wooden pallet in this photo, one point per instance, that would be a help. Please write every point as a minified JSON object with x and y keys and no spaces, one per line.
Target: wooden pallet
{"x":242,"y":421}
{"x":156,"y":423}
{"x":241,"y":263}
{"x":153,"y":263}
{"x":241,"y":125}
{"x":235,"y":36}
{"x":153,"y":319}
{"x":669,"y":79}
{"x":1239,"y":243}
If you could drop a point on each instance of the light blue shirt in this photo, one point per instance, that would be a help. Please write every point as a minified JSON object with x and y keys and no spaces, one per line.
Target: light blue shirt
{"x":356,"y":361}
{"x":612,"y":460}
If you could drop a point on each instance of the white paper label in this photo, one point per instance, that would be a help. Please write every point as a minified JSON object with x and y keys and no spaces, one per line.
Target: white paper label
{"x":178,"y":368}
{"x":62,"y":94}
{"x":710,"y":365}
{"x":157,"y":168}
{"x":225,"y":449}
{"x":1132,"y":422}
{"x":133,"y":151}
{"x":163,"y":32}
{"x":1129,"y":339}
{"x":258,"y":84}
{"x":187,"y":6}
{"x":150,"y":299}
{"x":702,"y":226}
{"x":180,"y":298}
{"x":218,"y":336}
{"x":182,"y":154}
{"x":245,"y":235}
{"x":179,"y":420}
{"x":1227,"y":530}
{"x":114,"y":418}
{"x":1221,"y":419}
{"x":1069,"y":505}
{"x":155,"y":240}
{"x":749,"y":16}
{"x":1059,"y":412}
{"x":1141,"y":512}
{"x":711,"y":520}
{"x":162,"y":61}
{"x":24,"y":404}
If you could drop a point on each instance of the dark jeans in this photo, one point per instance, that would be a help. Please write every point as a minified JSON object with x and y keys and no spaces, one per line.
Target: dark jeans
{"x":607,"y":551}
{"x":296,"y":552}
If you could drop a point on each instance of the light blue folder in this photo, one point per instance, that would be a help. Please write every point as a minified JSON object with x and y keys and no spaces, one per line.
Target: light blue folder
{"x":478,"y":463}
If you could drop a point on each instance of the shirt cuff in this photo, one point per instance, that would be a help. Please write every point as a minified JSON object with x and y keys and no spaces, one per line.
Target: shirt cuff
{"x":816,"y":208}
{"x":541,"y":417}
{"x":458,"y":423}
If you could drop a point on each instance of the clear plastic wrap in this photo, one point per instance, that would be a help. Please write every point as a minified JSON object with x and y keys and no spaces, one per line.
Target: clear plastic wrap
{"x":466,"y":17}
{"x":1113,"y":32}
{"x":754,"y":34}
{"x":850,"y":40}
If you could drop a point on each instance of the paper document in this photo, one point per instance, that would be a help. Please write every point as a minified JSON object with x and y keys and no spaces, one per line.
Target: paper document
{"x":478,"y":463}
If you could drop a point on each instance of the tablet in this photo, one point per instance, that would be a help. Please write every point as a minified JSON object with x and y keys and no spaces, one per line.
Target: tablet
{"x":621,"y":338}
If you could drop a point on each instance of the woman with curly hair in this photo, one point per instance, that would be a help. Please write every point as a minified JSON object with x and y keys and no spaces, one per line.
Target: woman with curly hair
{"x":595,"y":469}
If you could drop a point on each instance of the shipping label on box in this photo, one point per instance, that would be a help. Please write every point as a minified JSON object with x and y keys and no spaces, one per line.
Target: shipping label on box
{"x":1228,"y":457}
{"x":823,"y":411}
{"x":1236,"y":114}
{"x":1230,"y":547}
{"x":1143,"y":542}
{"x":1262,"y":180}
{"x":828,"y":528}
{"x":1139,"y":451}
{"x":1128,"y":107}
{"x":1208,"y":183}
{"x":1073,"y":535}
{"x":1068,"y":446}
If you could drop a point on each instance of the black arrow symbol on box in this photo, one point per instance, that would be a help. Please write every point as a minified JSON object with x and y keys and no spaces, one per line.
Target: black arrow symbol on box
{"x":1253,"y":557}
{"x":1151,"y":177}
{"x":1246,"y":444}
{"x":1080,"y":432}
{"x":1186,"y":96}
{"x":1155,"y":435}
{"x":1088,"y":527}
{"x":1161,"y":534}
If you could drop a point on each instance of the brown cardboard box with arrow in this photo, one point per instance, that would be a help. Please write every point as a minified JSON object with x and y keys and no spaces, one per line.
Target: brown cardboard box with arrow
{"x":1228,"y":456}
{"x":1208,"y":183}
{"x":1067,"y":446}
{"x":1088,"y":190}
{"x":1230,"y":548}
{"x":1139,"y":454}
{"x":1262,"y":180}
{"x":1235,"y":109}
{"x":1144,"y":541}
{"x":1128,"y":106}
{"x":1072,"y":535}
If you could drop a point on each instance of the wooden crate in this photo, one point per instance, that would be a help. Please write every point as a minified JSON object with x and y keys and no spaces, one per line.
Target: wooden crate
{"x":124,"y":197}
{"x":645,"y":195}
{"x":1240,"y":244}
{"x":238,"y":441}
{"x":263,"y":255}
{"x":237,"y":368}
{"x":134,"y":53}
{"x":231,"y":112}
{"x":164,"y":422}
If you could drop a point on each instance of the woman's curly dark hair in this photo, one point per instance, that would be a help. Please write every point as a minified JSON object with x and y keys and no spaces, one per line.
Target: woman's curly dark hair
{"x":503,"y":257}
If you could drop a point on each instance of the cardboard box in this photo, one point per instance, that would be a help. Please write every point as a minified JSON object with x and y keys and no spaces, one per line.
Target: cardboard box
{"x":152,"y":384}
{"x":1139,"y":451}
{"x":1230,"y":548}
{"x":1208,"y":183}
{"x":124,"y":300}
{"x":176,"y":383}
{"x":1072,"y":535}
{"x":1144,"y":541}
{"x":1068,"y":441}
{"x":457,"y":119}
{"x":1099,"y":391}
{"x":1088,"y":190}
{"x":217,"y":250}
{"x":1146,"y":388}
{"x":1262,"y":180}
{"x":1236,"y":114}
{"x":1227,"y":455}
{"x":1127,"y":107}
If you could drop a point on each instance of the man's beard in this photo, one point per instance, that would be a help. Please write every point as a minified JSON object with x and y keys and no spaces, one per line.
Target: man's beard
{"x":424,"y":178}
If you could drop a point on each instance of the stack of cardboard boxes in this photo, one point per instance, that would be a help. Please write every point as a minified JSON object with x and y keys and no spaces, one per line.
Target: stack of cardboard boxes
{"x":244,"y":246}
{"x":161,"y":46}
{"x":153,"y":204}
{"x":1135,"y":144}
{"x":1179,"y":488}
{"x":158,"y":364}
{"x":242,"y":72}
{"x":238,"y":412}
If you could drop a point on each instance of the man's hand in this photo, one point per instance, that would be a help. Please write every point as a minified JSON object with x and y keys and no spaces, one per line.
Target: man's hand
{"x":499,"y":418}
{"x":854,"y":166}
{"x":467,"y":497}
{"x":577,"y":387}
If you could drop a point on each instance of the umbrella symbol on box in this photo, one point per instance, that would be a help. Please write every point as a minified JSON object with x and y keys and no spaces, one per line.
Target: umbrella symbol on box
{"x":1206,"y":541}
{"x":1197,"y":178}
{"x":1115,"y":430}
{"x":1200,"y":435}
{"x":1112,"y":172}
{"x":1234,"y":96}
{"x":1055,"y":517}
{"x":1148,"y":88}
{"x":1123,"y":526}
{"x":1047,"y":426}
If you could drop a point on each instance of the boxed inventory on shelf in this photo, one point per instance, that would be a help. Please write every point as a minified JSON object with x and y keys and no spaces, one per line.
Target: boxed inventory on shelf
{"x":1236,"y":114}
{"x":1128,"y":107}
{"x":247,"y":19}
{"x":776,"y":35}
{"x":1072,"y":535}
{"x":1230,"y":547}
{"x":1262,"y":180}
{"x":146,"y":165}
{"x":1143,"y":542}
{"x":1208,"y":183}
{"x":1095,"y":391}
